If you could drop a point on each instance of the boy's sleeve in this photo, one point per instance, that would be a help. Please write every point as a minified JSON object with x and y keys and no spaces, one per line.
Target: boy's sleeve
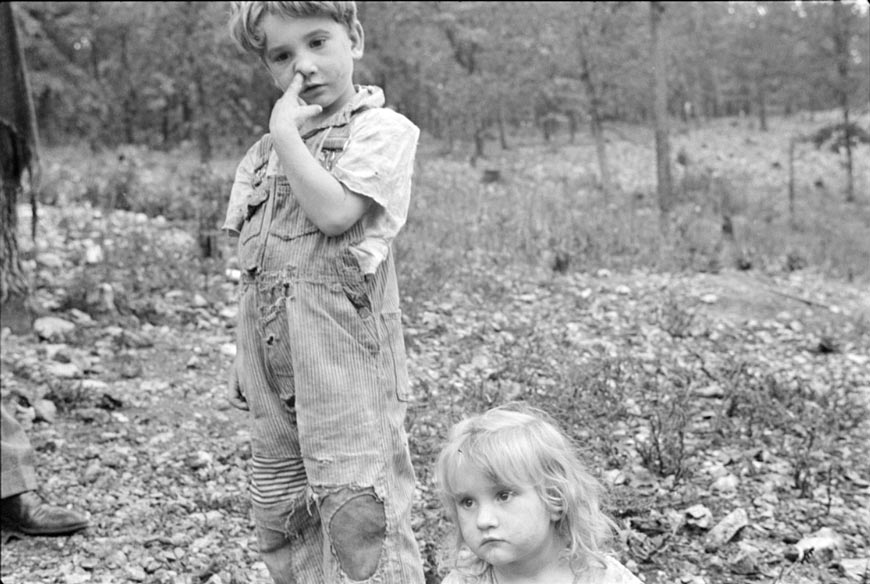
{"x":379,"y":160}
{"x":242,"y":188}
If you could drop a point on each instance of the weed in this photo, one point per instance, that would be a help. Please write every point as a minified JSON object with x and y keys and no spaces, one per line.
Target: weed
{"x":673,"y":317}
{"x":664,"y":451}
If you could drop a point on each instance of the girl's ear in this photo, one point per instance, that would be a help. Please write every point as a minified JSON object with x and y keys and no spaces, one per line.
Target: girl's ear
{"x":357,"y":40}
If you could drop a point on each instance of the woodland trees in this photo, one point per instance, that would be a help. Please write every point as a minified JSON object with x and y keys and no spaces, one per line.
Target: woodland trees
{"x":164,"y":73}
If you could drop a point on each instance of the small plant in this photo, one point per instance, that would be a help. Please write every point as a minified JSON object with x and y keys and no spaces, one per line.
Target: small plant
{"x":674,"y":318}
{"x":665,"y":452}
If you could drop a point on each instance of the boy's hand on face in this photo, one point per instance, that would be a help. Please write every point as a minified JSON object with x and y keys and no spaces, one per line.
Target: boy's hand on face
{"x":290,"y":111}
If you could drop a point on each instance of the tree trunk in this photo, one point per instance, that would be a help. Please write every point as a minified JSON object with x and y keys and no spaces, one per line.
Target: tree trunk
{"x":841,"y":44}
{"x":663,"y":149}
{"x":18,"y":147}
{"x":762,"y":103}
{"x":502,"y":135}
{"x":592,"y":93}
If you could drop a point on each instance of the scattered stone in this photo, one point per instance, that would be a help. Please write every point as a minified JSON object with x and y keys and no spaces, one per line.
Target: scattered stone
{"x":746,"y":561}
{"x":63,"y":370}
{"x":130,"y":367}
{"x":94,"y":385}
{"x":45,"y":410}
{"x":713,"y":391}
{"x":699,"y":517}
{"x":822,"y":546}
{"x":725,"y":530}
{"x":81,"y":317}
{"x":709,"y":299}
{"x":199,"y":301}
{"x":52,"y":328}
{"x":136,"y":573}
{"x":49,"y":260}
{"x":89,"y":563}
{"x":198,"y":460}
{"x":228,"y":349}
{"x":92,"y":472}
{"x":623,"y":290}
{"x":855,"y":568}
{"x":726,"y":484}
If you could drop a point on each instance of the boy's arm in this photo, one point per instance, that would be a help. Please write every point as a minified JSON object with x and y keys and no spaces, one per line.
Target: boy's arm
{"x":242,"y":186}
{"x":326,"y":202}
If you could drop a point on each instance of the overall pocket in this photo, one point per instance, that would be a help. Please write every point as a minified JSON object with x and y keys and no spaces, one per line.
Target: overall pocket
{"x":290,"y":220}
{"x":396,"y":359}
{"x":252,"y":227}
{"x":276,"y":338}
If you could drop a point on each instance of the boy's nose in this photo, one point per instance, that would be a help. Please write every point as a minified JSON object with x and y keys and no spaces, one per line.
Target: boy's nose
{"x":305,"y":66}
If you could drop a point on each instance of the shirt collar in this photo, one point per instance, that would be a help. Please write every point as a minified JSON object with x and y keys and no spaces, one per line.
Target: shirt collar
{"x":367,"y":96}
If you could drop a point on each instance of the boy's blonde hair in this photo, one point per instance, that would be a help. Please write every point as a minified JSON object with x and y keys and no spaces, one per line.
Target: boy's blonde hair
{"x":246,"y":18}
{"x":518,"y":445}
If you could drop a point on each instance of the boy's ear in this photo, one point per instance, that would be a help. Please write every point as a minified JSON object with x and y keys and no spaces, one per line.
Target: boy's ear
{"x":357,"y":40}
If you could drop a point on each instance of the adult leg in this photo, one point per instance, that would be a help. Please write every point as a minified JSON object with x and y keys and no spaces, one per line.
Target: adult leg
{"x":21,"y":507}
{"x":16,"y":455}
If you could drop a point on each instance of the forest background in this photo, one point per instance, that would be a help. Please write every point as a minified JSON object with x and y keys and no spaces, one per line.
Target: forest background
{"x":706,"y":343}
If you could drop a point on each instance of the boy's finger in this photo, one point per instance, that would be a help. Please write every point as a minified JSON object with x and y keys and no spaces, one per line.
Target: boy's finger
{"x":295,"y":85}
{"x":309,"y":111}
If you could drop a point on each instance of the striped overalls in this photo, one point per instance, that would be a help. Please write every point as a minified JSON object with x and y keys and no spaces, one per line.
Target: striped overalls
{"x":321,"y":362}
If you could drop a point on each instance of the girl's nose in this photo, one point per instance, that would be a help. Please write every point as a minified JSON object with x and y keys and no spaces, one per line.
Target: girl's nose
{"x":486,"y":517}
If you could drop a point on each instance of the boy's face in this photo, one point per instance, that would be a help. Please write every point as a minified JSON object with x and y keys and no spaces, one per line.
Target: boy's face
{"x":319,"y":48}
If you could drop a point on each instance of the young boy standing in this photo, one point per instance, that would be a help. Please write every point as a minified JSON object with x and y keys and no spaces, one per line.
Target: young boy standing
{"x":321,"y":366}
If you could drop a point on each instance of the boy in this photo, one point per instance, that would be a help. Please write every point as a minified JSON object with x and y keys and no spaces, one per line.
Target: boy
{"x":321,"y":360}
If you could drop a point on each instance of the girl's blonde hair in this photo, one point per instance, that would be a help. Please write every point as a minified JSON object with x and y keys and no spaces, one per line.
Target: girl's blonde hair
{"x":518,"y":445}
{"x":246,"y":18}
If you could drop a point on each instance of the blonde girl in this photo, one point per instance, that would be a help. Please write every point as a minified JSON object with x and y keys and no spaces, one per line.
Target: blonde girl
{"x":526,"y":508}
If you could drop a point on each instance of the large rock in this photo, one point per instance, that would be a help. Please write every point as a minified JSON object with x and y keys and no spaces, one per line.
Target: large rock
{"x":725,"y":530}
{"x":53,"y":329}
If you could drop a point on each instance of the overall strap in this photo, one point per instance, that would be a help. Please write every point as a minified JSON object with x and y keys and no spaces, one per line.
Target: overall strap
{"x":264,"y":147}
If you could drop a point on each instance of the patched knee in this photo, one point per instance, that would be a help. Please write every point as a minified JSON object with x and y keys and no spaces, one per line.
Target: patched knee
{"x":357,"y":528}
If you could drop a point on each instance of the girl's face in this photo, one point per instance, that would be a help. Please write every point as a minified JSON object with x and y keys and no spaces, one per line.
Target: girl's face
{"x":510,"y":528}
{"x":319,"y":48}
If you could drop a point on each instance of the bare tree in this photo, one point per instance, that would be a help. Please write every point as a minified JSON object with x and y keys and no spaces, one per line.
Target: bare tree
{"x":660,"y":111}
{"x":18,"y":147}
{"x":841,"y":48}
{"x":593,"y":94}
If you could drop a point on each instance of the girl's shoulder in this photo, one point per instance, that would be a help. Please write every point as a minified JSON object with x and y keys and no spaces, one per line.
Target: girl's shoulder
{"x":457,"y":577}
{"x":613,"y":572}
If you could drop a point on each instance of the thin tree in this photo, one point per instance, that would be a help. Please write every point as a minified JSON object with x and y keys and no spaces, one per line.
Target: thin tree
{"x":660,"y":114}
{"x":593,"y":94}
{"x":841,"y":48}
{"x":18,"y":153}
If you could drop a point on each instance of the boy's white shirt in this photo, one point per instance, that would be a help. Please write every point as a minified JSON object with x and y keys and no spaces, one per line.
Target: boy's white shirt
{"x":377,"y":163}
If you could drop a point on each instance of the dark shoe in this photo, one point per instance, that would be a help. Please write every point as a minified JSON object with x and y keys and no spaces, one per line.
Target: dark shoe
{"x":28,"y":514}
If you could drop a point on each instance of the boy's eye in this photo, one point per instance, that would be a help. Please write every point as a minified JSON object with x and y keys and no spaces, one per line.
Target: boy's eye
{"x":466,"y":503}
{"x":317,"y":43}
{"x":280,"y":57}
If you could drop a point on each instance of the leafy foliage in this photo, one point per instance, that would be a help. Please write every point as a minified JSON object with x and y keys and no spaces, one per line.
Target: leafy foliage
{"x":166,"y":73}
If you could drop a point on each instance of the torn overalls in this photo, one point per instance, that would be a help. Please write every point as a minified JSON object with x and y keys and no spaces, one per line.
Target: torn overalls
{"x":321,"y":358}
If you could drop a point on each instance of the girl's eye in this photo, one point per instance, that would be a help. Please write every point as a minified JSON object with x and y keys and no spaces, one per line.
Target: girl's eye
{"x":504,"y":496}
{"x":466,"y":503}
{"x":317,"y":43}
{"x":280,"y":57}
